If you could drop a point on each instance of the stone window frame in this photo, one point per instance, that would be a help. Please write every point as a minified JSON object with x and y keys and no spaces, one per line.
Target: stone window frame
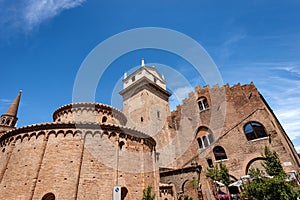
{"x":202,"y":103}
{"x":254,"y":130}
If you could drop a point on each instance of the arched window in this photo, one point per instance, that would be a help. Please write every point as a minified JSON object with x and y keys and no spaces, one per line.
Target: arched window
{"x":203,"y":103}
{"x":200,"y":143}
{"x":49,"y":196}
{"x":205,"y":141}
{"x":219,"y":153}
{"x":204,"y":137}
{"x":104,"y":119}
{"x":254,"y":130}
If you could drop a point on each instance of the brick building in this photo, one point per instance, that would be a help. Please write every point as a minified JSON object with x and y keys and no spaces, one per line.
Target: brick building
{"x":89,"y":147}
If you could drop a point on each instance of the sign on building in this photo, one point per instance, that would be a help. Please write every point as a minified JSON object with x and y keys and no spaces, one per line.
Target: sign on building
{"x":117,"y":193}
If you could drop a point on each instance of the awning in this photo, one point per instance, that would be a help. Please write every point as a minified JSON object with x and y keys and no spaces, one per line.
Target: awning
{"x":237,"y":183}
{"x":219,"y":183}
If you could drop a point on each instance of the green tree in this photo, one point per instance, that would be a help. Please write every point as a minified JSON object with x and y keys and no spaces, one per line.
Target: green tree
{"x":265,"y":187}
{"x":188,"y":198}
{"x":272,"y":163}
{"x":224,"y":175}
{"x":219,"y":173}
{"x":147,"y":194}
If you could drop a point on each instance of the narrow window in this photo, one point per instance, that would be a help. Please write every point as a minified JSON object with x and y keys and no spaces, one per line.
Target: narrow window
{"x":205,"y":141}
{"x":155,"y":80}
{"x":158,"y":114}
{"x":254,"y":130}
{"x":200,"y":104}
{"x":200,"y":143}
{"x":209,"y":162}
{"x":219,"y":153}
{"x":133,"y":78}
{"x":203,"y":103}
{"x":142,"y":119}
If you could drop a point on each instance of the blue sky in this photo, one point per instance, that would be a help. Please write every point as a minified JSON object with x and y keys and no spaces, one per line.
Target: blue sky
{"x":43,"y":43}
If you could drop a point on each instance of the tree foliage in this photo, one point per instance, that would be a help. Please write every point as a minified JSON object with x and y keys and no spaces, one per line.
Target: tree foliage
{"x":272,"y":163}
{"x":218,"y":173}
{"x":188,"y":198}
{"x":270,"y":186}
{"x":147,"y":194}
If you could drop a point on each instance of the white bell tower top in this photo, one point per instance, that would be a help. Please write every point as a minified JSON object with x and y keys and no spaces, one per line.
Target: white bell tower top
{"x":144,"y":72}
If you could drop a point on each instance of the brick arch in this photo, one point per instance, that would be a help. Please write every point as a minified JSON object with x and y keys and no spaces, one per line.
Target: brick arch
{"x":60,"y":132}
{"x":183,"y":184}
{"x":112,"y":134}
{"x":10,"y":140}
{"x":32,"y":135}
{"x":202,"y":128}
{"x":19,"y":137}
{"x":247,"y":160}
{"x":77,"y":133}
{"x":105,"y":133}
{"x":25,"y":136}
{"x":251,"y":162}
{"x":89,"y":133}
{"x":68,"y":132}
{"x":50,"y":133}
{"x":97,"y":133}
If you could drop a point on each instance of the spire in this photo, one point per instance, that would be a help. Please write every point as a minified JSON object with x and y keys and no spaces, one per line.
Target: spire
{"x":13,"y":109}
{"x":9,"y":119}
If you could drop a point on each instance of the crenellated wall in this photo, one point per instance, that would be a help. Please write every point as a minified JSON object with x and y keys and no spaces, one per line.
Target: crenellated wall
{"x":229,"y":110}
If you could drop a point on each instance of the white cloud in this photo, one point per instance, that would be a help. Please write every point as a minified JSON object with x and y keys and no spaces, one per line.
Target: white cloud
{"x":29,"y":14}
{"x":234,"y":39}
{"x":283,"y":92}
{"x":228,"y":47}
